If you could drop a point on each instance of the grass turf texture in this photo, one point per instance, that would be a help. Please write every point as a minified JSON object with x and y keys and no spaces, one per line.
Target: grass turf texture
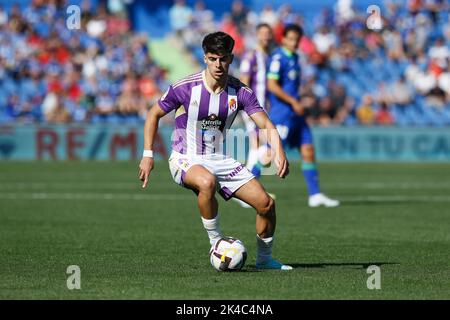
{"x":150,"y":244}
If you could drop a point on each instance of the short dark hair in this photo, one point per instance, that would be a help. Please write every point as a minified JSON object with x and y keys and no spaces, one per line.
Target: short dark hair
{"x":263,"y":25}
{"x":293,"y":27}
{"x":218,"y":43}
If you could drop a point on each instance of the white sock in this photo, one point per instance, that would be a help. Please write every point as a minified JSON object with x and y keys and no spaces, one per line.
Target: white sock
{"x":212,"y":228}
{"x":264,"y":246}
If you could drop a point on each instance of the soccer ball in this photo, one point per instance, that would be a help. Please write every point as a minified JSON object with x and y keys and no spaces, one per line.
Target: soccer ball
{"x":228,"y":254}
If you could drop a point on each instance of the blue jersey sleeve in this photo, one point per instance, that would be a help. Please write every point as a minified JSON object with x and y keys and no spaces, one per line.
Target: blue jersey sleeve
{"x":275,"y":67}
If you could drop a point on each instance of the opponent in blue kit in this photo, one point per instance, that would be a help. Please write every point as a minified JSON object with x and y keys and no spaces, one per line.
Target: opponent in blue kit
{"x":287,"y":114}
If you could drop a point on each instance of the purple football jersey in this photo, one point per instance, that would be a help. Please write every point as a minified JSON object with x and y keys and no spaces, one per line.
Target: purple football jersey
{"x":253,"y":65}
{"x":202,"y":116}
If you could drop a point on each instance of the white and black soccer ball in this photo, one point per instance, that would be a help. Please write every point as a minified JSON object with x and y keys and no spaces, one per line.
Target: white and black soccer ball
{"x":228,"y":254}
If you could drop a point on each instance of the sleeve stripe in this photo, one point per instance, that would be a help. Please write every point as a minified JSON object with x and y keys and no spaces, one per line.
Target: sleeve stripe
{"x":247,"y":89}
{"x":273,"y":76}
{"x":255,"y":110}
{"x":163,"y":108}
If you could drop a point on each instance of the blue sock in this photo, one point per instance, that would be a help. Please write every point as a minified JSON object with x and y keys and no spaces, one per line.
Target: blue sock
{"x":256,"y":170}
{"x":311,"y":177}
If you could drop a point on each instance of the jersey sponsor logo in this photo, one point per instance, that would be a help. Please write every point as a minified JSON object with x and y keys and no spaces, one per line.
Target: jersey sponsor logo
{"x":194,"y":103}
{"x":212,"y":122}
{"x":232,"y":104}
{"x":292,"y":74}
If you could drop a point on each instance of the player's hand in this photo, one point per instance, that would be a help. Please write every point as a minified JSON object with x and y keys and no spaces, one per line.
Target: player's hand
{"x":297,"y":107}
{"x":282,"y":164}
{"x":145,"y":167}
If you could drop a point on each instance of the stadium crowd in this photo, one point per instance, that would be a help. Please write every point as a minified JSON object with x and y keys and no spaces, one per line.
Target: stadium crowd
{"x":104,"y":72}
{"x":49,"y":73}
{"x":352,"y":74}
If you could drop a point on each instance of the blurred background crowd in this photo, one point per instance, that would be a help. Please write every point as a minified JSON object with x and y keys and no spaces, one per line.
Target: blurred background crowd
{"x":398,"y":74}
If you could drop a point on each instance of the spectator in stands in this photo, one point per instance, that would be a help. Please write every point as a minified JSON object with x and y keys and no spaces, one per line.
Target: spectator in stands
{"x":180,"y":17}
{"x":230,"y":27}
{"x":268,"y":15}
{"x":446,"y":30}
{"x":365,"y":112}
{"x":401,"y":93}
{"x":58,"y":112}
{"x":384,"y":116}
{"x":3,"y":16}
{"x":46,"y":68}
{"x":327,"y":111}
{"x":341,"y":102}
{"x":433,"y":8}
{"x":239,"y":15}
{"x":444,"y":83}
{"x":435,"y":98}
{"x":440,"y":53}
{"x":344,"y":12}
{"x":202,"y":21}
{"x":393,"y":44}
{"x":324,"y":40}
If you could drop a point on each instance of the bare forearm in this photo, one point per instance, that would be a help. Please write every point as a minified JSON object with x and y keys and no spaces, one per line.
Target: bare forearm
{"x":276,"y":89}
{"x":271,"y":132}
{"x":273,"y":138}
{"x":268,"y":128}
{"x":150,"y":129}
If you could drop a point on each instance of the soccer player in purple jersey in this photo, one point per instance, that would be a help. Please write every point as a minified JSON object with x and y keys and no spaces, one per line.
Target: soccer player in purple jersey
{"x":253,"y":73}
{"x":205,"y":106}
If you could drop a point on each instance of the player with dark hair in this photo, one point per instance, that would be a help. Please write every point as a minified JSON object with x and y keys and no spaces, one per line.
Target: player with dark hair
{"x":253,"y":74}
{"x":286,"y":112}
{"x":205,"y":104}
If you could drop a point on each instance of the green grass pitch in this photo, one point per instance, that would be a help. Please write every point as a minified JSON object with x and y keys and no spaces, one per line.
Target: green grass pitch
{"x":150,"y":244}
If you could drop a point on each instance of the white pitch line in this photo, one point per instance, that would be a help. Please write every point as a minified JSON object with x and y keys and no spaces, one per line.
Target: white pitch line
{"x":73,"y":185}
{"x":177,"y":197}
{"x":92,"y":196}
{"x":76,"y":185}
{"x":372,"y":185}
{"x":398,"y":198}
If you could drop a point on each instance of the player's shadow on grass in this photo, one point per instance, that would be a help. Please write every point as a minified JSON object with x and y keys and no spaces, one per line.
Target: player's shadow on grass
{"x":360,"y":265}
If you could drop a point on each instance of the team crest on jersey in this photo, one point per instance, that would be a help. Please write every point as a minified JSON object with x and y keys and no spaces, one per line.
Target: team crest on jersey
{"x":232,"y":104}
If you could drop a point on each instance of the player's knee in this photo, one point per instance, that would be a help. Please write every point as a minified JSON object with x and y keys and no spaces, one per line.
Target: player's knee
{"x":207,"y":184}
{"x":266,"y":206}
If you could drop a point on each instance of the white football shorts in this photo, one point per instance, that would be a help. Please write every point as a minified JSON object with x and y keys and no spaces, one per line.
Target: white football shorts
{"x":230,"y":173}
